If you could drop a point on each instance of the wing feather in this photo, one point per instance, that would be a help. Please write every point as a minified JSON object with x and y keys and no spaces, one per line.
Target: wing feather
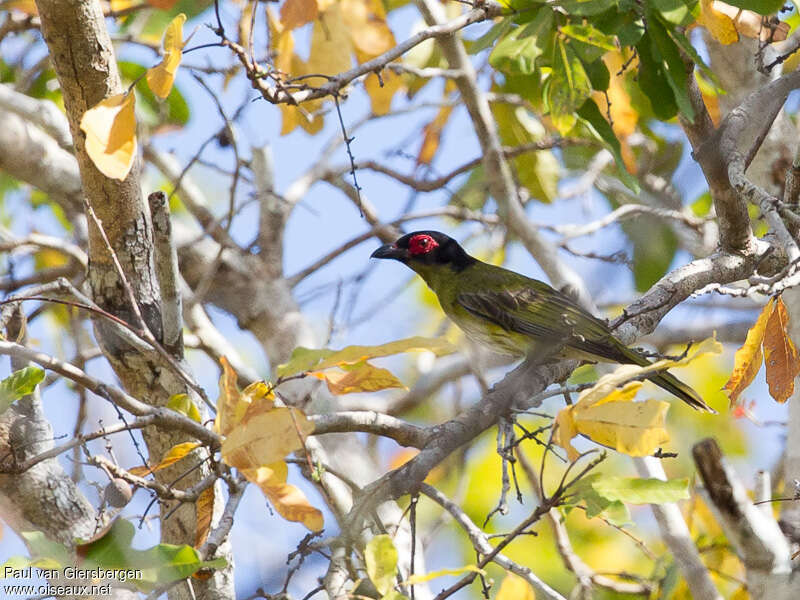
{"x":545,"y":315}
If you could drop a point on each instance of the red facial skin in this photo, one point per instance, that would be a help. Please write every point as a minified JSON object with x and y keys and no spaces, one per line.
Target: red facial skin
{"x":421,"y":244}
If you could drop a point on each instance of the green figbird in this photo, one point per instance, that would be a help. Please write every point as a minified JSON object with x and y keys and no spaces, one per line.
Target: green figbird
{"x":513,"y":314}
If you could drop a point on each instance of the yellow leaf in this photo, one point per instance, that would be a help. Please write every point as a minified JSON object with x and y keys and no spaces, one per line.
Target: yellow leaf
{"x":330,"y":44}
{"x":228,"y":399}
{"x":304,"y":115}
{"x":288,"y":500}
{"x":710,"y":98}
{"x":606,"y":413}
{"x":718,"y":23}
{"x":633,"y":428}
{"x":422,"y":578}
{"x":307,"y":359}
{"x":366,"y":23}
{"x":741,"y":593}
{"x":747,"y":361}
{"x":616,"y":102}
{"x":110,"y":128}
{"x":608,"y":383}
{"x":380,"y":557}
{"x":748,"y":23}
{"x":173,"y":455}
{"x":614,"y":420}
{"x":161,"y":77}
{"x":565,"y":430}
{"x":281,"y":44}
{"x":307,"y":115}
{"x":432,"y":135}
{"x":27,"y":7}
{"x":47,"y":258}
{"x":380,"y":96}
{"x":295,"y":13}
{"x":244,"y":28}
{"x":204,"y":507}
{"x":266,"y":437}
{"x":780,"y":354}
{"x":183,"y":404}
{"x":361,"y":377}
{"x":515,"y":587}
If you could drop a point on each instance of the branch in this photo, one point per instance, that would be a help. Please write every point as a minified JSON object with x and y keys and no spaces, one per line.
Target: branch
{"x":43,"y":113}
{"x":376,"y":423}
{"x":280,"y":94}
{"x":164,"y":417}
{"x":484,"y":547}
{"x":765,"y":201}
{"x":583,"y":572}
{"x":677,"y":537}
{"x":756,"y":536}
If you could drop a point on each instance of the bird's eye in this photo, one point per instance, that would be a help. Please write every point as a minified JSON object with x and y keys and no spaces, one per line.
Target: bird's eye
{"x":421,"y":244}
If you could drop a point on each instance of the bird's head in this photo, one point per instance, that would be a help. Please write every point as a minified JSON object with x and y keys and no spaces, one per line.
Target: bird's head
{"x":426,"y":248}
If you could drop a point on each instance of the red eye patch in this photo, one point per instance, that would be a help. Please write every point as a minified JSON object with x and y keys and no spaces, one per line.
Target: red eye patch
{"x":421,"y":244}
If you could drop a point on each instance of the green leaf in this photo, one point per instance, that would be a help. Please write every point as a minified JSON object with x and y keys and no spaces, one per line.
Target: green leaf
{"x":599,"y":506}
{"x":591,"y":114}
{"x":308,"y":359}
{"x":630,"y":33}
{"x":172,"y":111}
{"x":687,"y":47}
{"x":702,"y":205}
{"x":654,"y":248}
{"x":664,"y":47}
{"x":642,"y":491}
{"x":18,"y":384}
{"x":183,"y":404}
{"x":160,"y":564}
{"x":380,"y":557}
{"x":473,"y":193}
{"x":537,"y":171}
{"x":586,"y":8}
{"x":762,"y":7}
{"x":589,"y":35}
{"x":677,"y":12}
{"x":490,"y":37}
{"x":569,"y":87}
{"x":598,"y":74}
{"x":653,"y":81}
{"x":519,"y":49}
{"x":157,"y":20}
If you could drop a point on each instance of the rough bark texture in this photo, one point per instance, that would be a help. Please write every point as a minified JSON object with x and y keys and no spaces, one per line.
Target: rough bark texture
{"x":83,"y":58}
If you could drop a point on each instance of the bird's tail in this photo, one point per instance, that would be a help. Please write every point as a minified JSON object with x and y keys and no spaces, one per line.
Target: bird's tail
{"x":669,"y":382}
{"x":683,"y":391}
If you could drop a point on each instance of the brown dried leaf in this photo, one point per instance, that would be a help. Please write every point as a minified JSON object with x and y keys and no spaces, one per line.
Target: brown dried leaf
{"x":288,"y":500}
{"x":205,"y":508}
{"x":747,"y":361}
{"x":780,"y":354}
{"x":432,"y":135}
{"x":361,"y":377}
{"x":295,"y":13}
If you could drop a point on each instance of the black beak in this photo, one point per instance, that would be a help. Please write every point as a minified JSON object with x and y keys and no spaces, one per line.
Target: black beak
{"x":390,"y":251}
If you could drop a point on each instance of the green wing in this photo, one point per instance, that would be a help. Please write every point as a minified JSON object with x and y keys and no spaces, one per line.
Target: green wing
{"x":545,"y":314}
